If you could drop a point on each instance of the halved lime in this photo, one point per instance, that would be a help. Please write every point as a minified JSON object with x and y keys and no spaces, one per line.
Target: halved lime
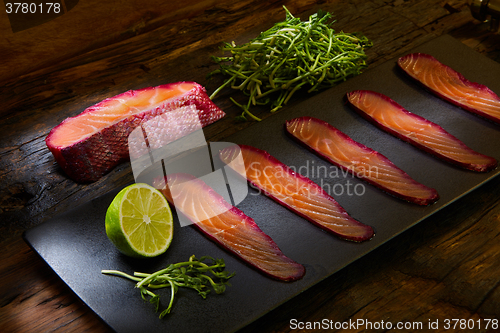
{"x":139,"y":221}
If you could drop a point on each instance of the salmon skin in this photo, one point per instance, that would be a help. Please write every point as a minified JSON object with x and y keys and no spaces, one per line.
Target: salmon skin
{"x":90,"y":144}
{"x":418,"y":131}
{"x":359,"y":160}
{"x":451,"y":85}
{"x":294,"y":191}
{"x":227,"y":226}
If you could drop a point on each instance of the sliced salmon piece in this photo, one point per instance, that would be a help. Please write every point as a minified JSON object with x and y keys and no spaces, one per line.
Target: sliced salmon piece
{"x":294,"y":191}
{"x":420,"y":132}
{"x":451,"y":85}
{"x":359,"y":160}
{"x":90,"y":144}
{"x":227,"y":226}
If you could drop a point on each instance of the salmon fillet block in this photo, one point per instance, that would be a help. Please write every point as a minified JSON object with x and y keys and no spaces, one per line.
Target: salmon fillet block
{"x":92,"y":143}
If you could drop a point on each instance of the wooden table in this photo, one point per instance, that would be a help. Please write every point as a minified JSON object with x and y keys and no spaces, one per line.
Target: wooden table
{"x":447,"y":267}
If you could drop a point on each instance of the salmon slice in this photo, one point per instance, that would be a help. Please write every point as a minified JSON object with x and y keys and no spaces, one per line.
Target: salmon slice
{"x":420,"y":132}
{"x":359,"y":160}
{"x":228,"y":226}
{"x":90,"y":144}
{"x":294,"y":191}
{"x":451,"y":85}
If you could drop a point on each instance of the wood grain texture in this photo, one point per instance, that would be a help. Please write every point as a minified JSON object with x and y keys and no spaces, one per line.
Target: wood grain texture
{"x":88,"y":26}
{"x":446,"y":267}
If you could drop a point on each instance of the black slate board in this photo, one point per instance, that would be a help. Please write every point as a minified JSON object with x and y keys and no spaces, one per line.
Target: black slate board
{"x":75,"y":245}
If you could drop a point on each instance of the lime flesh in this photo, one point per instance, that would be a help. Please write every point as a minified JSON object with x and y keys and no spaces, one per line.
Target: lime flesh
{"x":139,"y":221}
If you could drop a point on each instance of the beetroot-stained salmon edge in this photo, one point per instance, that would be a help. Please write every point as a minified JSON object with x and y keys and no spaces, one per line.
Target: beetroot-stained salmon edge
{"x":462,"y":78}
{"x":71,"y":167}
{"x":91,"y":108}
{"x":370,"y":233}
{"x":76,"y":169}
{"x":300,"y":269}
{"x":472,"y":167}
{"x":420,"y":202}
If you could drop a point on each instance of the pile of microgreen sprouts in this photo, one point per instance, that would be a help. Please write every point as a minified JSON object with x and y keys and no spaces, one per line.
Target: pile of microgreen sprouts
{"x":289,"y":56}
{"x":194,"y":274}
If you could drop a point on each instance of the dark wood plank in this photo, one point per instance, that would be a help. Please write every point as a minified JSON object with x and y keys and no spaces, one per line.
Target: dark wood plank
{"x":88,"y":26}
